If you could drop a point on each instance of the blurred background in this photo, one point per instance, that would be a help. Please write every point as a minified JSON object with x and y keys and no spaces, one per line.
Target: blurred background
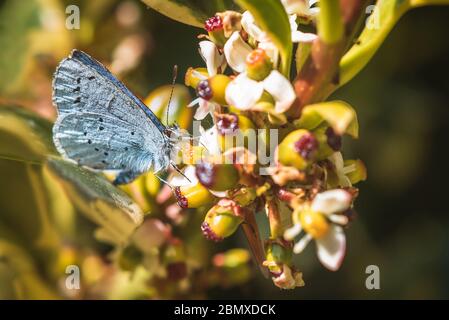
{"x":402,"y":100}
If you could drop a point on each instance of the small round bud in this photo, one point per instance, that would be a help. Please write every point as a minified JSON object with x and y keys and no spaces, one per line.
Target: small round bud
{"x":244,"y":196}
{"x":233,"y":131}
{"x":279,"y":253}
{"x":258,"y":65}
{"x":193,"y":196}
{"x":204,"y":90}
{"x":298,"y":149}
{"x":227,"y":124}
{"x":218,"y":177}
{"x":221,"y":221}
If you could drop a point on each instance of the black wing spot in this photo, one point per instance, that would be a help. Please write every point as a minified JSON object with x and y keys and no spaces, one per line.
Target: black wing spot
{"x":77,"y":89}
{"x":96,"y":149}
{"x":126,"y":148}
{"x":78,"y":80}
{"x":78,"y":100}
{"x":106,"y":154}
{"x":104,"y":161}
{"x":91,"y":78}
{"x":85,"y":133}
{"x":89,"y":141}
{"x":101,"y":119}
{"x":101,"y":128}
{"x":132,"y":133}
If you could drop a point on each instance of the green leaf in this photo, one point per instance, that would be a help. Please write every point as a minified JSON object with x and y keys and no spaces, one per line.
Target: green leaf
{"x":24,"y":136}
{"x":338,"y":114}
{"x":270,"y":15}
{"x":192,"y":12}
{"x":384,"y":17}
{"x":100,"y":201}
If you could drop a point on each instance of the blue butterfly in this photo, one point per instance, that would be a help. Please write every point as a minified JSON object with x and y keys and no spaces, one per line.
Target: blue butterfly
{"x":102,"y":125}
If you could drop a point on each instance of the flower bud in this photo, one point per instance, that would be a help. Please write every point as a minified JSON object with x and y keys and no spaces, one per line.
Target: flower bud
{"x":329,"y":141}
{"x":214,"y":88}
{"x":130,"y":257}
{"x":193,"y":196}
{"x":356,"y":170}
{"x":214,"y":27}
{"x":217,"y":177}
{"x":194,"y":76}
{"x":222,"y":220}
{"x":233,"y":130}
{"x":235,"y":264}
{"x":258,"y":65}
{"x":298,"y":149}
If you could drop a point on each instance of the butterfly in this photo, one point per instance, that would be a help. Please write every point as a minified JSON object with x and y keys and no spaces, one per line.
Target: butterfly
{"x":103,"y":126}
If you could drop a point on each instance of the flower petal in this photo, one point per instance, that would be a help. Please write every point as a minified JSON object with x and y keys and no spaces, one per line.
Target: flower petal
{"x":271,"y":50}
{"x":250,"y":26}
{"x":280,"y":89}
{"x":204,"y":108}
{"x":302,"y":244}
{"x":236,"y":50}
{"x":331,"y":248}
{"x":331,"y":201}
{"x":209,"y":139}
{"x":292,"y":232}
{"x":298,"y":36}
{"x":243,"y":92}
{"x":295,"y":6}
{"x":178,"y":180}
{"x":210,"y":54}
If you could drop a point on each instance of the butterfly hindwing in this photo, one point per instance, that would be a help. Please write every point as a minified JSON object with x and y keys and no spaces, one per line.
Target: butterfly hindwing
{"x":101,"y":124}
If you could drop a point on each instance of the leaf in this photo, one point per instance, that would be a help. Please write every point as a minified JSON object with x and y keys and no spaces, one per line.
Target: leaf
{"x":100,"y":201}
{"x":271,"y":16}
{"x":338,"y":114}
{"x":384,"y":16}
{"x":24,"y":136}
{"x":192,"y":12}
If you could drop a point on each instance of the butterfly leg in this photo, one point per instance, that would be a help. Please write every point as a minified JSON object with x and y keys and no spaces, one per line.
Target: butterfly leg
{"x":126,"y":177}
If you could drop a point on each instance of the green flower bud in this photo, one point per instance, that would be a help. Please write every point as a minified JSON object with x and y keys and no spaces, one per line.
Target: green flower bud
{"x":235,"y":264}
{"x":218,"y":177}
{"x":130,"y":257}
{"x":258,"y":65}
{"x":193,"y":196}
{"x":358,"y":170}
{"x":329,"y":141}
{"x":222,"y":220}
{"x":298,"y":149}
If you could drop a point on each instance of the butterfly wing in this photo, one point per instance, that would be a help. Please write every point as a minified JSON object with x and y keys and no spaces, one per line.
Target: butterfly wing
{"x":101,"y":124}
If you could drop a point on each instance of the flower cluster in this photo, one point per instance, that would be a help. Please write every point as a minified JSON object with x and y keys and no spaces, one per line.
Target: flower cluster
{"x":307,"y":188}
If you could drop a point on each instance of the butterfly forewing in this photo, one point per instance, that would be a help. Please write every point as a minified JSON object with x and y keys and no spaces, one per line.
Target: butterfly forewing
{"x":101,"y":124}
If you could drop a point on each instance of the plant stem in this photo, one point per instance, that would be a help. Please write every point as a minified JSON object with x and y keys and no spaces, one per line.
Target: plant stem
{"x":274,"y":217}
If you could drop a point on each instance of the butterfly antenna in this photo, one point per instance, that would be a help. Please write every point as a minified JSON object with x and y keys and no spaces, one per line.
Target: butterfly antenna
{"x":175,"y":75}
{"x":179,"y":171}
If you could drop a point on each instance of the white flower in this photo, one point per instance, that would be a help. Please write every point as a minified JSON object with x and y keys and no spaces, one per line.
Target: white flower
{"x":322,"y":221}
{"x":243,"y":92}
{"x":204,"y":108}
{"x":215,"y":61}
{"x":288,"y":279}
{"x":236,"y":50}
{"x":301,"y":7}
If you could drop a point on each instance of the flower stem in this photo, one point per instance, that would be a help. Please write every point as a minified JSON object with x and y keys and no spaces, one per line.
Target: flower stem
{"x":274,"y":217}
